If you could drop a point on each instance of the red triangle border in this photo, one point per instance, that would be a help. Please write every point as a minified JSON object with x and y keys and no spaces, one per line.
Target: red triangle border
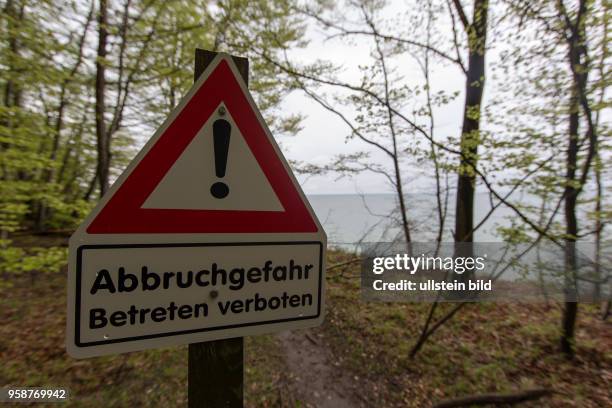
{"x":123,"y":214}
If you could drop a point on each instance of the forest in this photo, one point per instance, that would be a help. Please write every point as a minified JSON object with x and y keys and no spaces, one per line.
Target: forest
{"x":85,"y":83}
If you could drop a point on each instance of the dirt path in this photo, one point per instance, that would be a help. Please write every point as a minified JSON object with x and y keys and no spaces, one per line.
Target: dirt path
{"x":314,"y":379}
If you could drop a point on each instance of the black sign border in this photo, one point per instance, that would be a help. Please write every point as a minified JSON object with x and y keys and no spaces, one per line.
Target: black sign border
{"x":77,"y":322}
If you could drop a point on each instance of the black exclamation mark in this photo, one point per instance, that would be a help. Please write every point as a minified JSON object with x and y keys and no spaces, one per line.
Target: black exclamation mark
{"x":221,"y":140}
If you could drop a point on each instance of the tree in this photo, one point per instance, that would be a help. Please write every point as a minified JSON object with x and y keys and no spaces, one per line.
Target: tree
{"x":384,"y":110}
{"x":565,"y":76}
{"x":476,"y":33}
{"x":82,"y":80}
{"x":151,"y":65}
{"x":102,"y":134}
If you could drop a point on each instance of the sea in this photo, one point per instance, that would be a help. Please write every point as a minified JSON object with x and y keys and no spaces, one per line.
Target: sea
{"x":351,"y":219}
{"x":370,"y":223}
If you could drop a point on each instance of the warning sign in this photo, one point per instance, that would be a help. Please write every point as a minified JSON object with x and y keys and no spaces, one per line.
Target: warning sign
{"x":206,"y":235}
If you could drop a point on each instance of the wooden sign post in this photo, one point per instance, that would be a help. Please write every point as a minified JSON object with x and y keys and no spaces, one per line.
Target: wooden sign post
{"x":216,"y":368}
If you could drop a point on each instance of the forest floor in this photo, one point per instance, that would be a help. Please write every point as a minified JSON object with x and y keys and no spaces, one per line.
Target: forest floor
{"x":358,"y":358}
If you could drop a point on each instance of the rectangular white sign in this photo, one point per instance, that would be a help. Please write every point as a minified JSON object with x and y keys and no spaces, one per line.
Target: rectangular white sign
{"x":127,"y":293}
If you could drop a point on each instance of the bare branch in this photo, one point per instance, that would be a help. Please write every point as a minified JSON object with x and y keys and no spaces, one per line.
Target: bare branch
{"x":343,"y":32}
{"x":455,"y":37}
{"x":462,"y":15}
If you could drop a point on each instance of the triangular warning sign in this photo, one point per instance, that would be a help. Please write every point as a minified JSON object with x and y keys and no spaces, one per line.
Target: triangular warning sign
{"x":213,"y":167}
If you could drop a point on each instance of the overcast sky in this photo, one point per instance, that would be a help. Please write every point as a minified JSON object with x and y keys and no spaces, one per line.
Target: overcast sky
{"x":323,"y":135}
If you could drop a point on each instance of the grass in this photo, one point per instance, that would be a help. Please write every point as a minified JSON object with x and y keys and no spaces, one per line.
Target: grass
{"x":32,"y":354}
{"x":484,"y":348}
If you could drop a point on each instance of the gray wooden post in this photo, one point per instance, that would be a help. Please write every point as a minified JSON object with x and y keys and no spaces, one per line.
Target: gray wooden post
{"x":216,"y":368}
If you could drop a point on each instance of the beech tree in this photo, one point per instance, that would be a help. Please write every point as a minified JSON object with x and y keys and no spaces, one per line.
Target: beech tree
{"x":561,"y":59}
{"x":382,"y":96}
{"x":83,"y":82}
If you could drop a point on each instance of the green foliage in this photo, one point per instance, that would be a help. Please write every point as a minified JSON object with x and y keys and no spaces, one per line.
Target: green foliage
{"x":33,"y":51}
{"x":529,"y":152}
{"x":258,"y":30}
{"x":43,"y":259}
{"x":13,"y":204}
{"x":18,"y":159}
{"x":15,"y":260}
{"x":10,"y":257}
{"x":48,"y":144}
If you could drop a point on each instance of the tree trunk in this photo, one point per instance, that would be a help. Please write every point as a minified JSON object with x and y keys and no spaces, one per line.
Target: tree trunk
{"x":571,"y":231}
{"x":598,"y":229}
{"x":402,"y":199}
{"x":466,"y":178}
{"x":571,"y":223}
{"x":102,"y":136}
{"x":599,"y":182}
{"x":12,"y":90}
{"x":470,"y":137}
{"x":577,"y":60}
{"x":475,"y":81}
{"x":12,"y":94}
{"x":64,"y":101}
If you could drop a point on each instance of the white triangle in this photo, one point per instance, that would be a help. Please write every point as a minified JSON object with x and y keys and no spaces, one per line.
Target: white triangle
{"x":187,"y":183}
